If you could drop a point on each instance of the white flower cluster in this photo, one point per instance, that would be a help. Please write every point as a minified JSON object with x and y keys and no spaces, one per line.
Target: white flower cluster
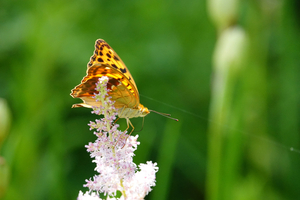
{"x":113,"y":151}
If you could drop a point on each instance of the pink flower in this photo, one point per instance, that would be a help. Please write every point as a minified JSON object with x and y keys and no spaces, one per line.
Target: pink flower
{"x":113,"y":153}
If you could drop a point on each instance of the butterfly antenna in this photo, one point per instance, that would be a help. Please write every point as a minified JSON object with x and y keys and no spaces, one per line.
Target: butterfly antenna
{"x":164,"y":114}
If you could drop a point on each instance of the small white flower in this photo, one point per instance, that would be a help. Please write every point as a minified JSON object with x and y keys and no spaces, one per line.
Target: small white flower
{"x":87,"y":196}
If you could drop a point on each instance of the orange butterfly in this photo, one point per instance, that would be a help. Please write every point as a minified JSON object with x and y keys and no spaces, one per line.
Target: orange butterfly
{"x":122,"y":88}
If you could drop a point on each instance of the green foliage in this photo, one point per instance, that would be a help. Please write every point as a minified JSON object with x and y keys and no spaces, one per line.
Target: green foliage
{"x":168,"y":48}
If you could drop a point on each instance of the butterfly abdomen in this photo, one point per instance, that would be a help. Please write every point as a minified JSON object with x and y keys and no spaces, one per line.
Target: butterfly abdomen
{"x":140,"y":111}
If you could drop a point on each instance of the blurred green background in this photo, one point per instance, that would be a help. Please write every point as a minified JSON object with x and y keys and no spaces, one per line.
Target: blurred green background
{"x":226,"y":146}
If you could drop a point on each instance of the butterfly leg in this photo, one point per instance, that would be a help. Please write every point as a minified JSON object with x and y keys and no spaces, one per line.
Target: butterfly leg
{"x":121,"y":136}
{"x":128,"y":123}
{"x":142,"y":125}
{"x":123,"y":114}
{"x":116,"y":120}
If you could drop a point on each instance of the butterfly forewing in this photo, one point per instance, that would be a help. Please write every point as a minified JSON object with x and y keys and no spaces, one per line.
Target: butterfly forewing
{"x":104,"y":54}
{"x":106,"y":62}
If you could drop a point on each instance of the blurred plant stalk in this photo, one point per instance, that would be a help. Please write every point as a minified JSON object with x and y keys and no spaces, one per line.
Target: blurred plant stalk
{"x":5,"y":120}
{"x":224,"y":146}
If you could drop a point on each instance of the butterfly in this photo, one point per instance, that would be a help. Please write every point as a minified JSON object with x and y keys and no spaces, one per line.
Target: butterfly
{"x":121,"y":85}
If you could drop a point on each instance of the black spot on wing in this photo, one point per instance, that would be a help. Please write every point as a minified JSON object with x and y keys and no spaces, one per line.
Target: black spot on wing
{"x":100,"y":60}
{"x":123,"y":70}
{"x":108,"y":55}
{"x":116,"y":58}
{"x":114,"y":66}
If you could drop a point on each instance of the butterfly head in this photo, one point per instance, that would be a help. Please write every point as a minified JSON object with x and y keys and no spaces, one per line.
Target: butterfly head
{"x":143,"y":110}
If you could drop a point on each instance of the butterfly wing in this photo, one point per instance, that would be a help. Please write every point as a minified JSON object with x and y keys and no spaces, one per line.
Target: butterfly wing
{"x":106,"y":62}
